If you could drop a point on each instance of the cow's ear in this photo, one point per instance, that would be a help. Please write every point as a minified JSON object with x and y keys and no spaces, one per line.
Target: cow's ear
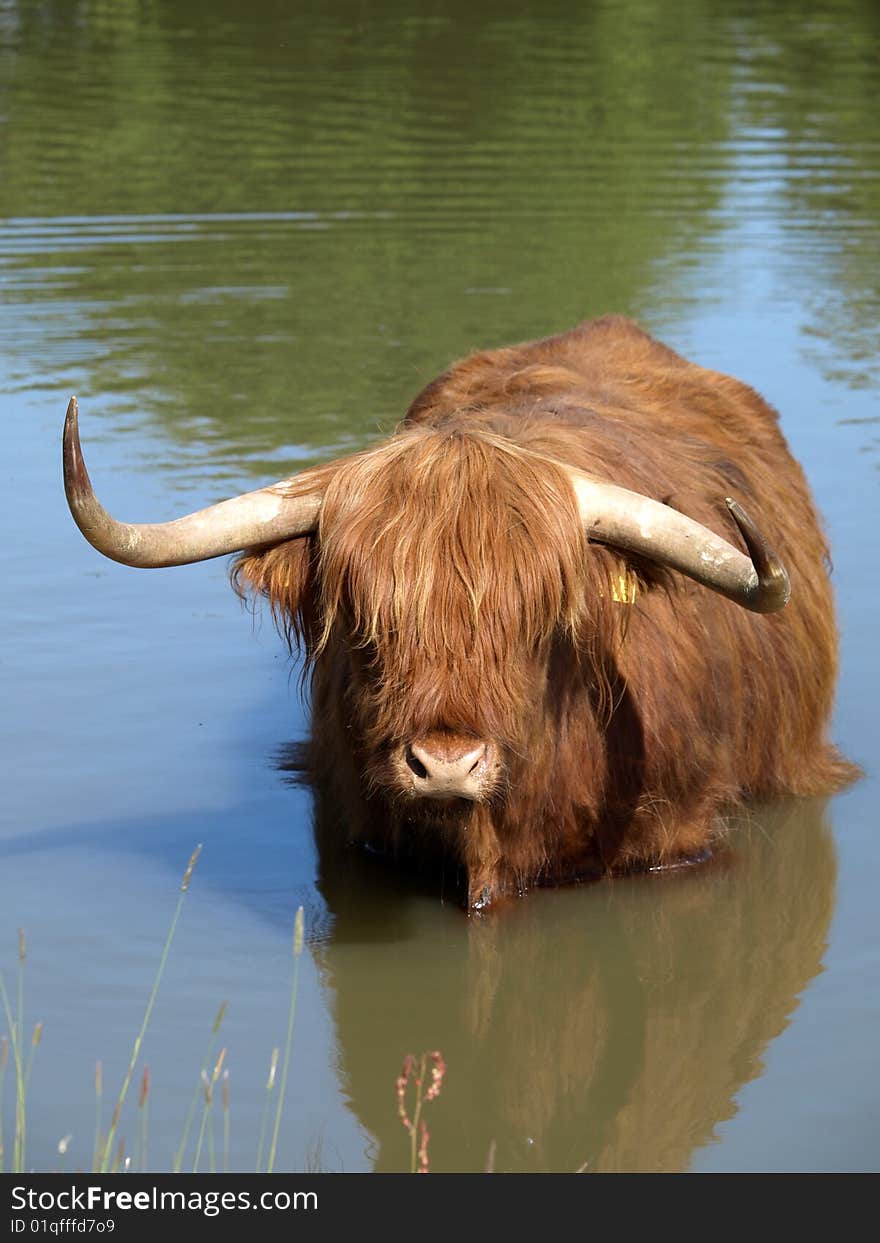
{"x":284,"y":575}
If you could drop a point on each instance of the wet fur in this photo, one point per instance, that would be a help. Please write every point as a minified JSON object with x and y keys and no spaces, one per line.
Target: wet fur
{"x":450,"y":586}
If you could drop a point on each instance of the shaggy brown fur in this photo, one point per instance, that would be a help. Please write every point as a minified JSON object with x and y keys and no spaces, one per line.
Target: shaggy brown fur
{"x":450,"y":588}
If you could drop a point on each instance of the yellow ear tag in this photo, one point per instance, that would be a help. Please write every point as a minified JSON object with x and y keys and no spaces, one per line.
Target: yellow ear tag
{"x":624,"y":590}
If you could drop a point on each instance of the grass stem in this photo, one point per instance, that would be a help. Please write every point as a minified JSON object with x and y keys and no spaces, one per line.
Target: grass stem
{"x":99,"y":1094}
{"x":270,"y":1084}
{"x":297,"y":954}
{"x":18,"y":1148}
{"x":135,"y":1053}
{"x":191,"y":1113}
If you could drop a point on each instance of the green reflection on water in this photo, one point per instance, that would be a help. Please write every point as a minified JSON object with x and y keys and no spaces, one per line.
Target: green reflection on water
{"x":465,"y":176}
{"x":449,"y":181}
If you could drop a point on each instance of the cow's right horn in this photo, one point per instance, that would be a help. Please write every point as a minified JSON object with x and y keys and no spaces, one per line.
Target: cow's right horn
{"x":266,"y":516}
{"x":639,"y":524}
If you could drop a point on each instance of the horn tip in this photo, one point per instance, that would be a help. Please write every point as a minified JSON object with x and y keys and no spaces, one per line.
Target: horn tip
{"x":71,"y":418}
{"x":76,"y":478}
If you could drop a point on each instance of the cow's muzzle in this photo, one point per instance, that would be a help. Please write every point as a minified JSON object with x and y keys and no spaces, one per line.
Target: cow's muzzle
{"x":445,"y":765}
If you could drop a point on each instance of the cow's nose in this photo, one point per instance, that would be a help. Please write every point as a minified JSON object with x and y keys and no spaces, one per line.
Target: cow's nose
{"x":448,"y":766}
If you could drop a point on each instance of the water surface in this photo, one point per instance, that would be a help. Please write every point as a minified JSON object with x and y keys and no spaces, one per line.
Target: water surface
{"x":245,"y":240}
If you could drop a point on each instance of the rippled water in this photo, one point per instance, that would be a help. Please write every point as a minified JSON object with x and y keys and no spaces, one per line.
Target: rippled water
{"x":245,"y":239}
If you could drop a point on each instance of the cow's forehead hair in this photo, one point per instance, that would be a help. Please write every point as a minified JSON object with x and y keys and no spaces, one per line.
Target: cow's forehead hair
{"x":440,"y":537}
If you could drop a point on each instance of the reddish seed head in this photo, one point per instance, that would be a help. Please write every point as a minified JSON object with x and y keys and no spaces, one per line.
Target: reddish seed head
{"x":403,"y":1079}
{"x":438,"y":1070}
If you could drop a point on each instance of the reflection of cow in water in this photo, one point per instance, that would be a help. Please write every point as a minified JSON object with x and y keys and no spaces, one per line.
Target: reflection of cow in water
{"x":522,"y":614}
{"x":613,"y":1026}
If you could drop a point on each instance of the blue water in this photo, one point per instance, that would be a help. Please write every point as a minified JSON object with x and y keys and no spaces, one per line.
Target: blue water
{"x":245,"y":243}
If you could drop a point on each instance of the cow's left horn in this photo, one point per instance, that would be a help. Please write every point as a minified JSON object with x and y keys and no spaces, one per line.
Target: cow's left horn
{"x":265,"y":516}
{"x":638,"y":524}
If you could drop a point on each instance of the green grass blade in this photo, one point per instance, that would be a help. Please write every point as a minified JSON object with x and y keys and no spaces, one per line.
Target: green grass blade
{"x":297,"y":954}
{"x":135,"y":1053}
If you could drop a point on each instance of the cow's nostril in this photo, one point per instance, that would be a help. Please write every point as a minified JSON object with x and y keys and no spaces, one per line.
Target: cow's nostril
{"x":416,"y":764}
{"x":445,"y":765}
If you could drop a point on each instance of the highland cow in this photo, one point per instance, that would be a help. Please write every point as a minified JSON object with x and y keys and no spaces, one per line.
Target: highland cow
{"x":537,"y":652}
